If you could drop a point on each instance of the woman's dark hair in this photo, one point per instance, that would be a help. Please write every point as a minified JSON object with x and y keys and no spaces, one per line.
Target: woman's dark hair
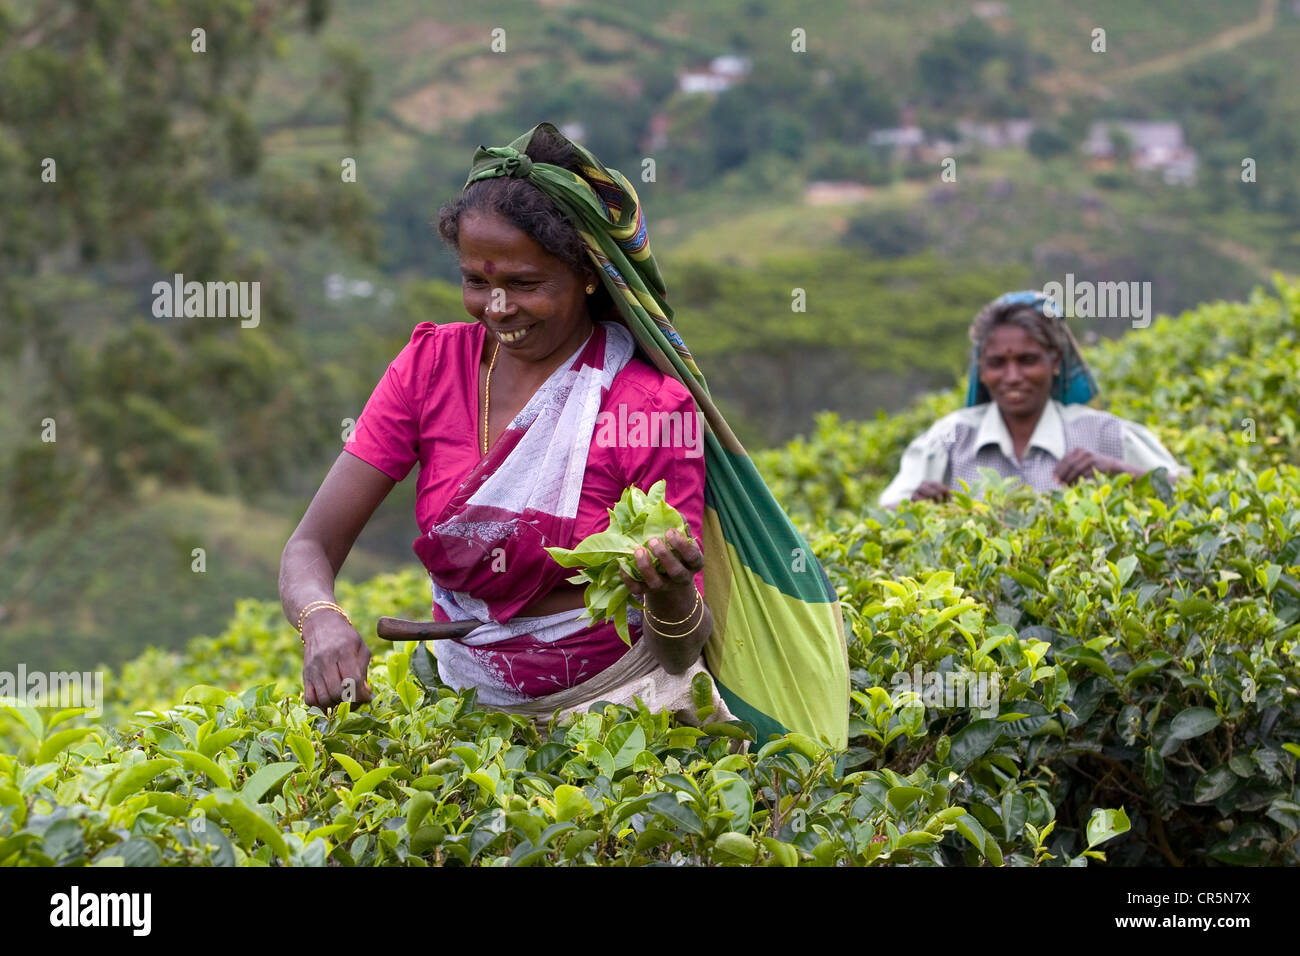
{"x":524,"y":205}
{"x":1045,"y":331}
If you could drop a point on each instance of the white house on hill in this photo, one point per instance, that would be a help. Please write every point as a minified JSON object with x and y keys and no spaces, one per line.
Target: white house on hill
{"x":1157,"y":147}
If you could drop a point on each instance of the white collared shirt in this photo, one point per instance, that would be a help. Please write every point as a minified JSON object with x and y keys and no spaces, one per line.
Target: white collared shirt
{"x":956,"y":446}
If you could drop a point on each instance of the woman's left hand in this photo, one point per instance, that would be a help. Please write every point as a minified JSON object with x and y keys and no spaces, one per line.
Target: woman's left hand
{"x":1080,"y":462}
{"x":680,"y":558}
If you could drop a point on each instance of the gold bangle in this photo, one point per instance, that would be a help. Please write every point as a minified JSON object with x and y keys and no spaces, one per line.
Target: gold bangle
{"x":660,"y":620}
{"x":699,"y":605}
{"x":688,"y":631}
{"x":315,"y":606}
{"x":307,"y":608}
{"x":319,"y":606}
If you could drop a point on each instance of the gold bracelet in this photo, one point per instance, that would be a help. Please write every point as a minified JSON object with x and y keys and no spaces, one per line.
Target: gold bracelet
{"x":660,"y":620}
{"x":306,"y":608}
{"x":699,"y":605}
{"x":684,"y":633}
{"x":318,"y":606}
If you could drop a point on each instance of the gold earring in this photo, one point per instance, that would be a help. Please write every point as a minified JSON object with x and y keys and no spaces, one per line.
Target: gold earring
{"x":590,"y":289}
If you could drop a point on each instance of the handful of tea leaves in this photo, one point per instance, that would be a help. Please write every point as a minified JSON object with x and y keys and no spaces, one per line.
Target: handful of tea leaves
{"x":633,"y":521}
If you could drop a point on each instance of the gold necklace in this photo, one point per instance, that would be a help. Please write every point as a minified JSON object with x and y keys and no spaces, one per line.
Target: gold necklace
{"x":487,"y":396}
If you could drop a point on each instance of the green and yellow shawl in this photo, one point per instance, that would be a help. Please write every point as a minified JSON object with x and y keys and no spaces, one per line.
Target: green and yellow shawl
{"x":777,"y":651}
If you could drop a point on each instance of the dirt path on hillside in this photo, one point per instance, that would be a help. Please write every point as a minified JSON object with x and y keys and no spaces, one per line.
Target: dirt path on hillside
{"x":1247,"y":256}
{"x":1232,"y":249}
{"x":1217,"y":44}
{"x":1066,"y":82}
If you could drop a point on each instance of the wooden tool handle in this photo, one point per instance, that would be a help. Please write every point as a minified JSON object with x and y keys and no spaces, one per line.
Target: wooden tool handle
{"x":395,"y":629}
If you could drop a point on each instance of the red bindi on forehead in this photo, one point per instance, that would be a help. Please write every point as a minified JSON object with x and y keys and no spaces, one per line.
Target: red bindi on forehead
{"x":488,"y":267}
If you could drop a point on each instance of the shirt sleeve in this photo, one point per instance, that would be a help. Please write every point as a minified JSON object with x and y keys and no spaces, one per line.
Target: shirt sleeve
{"x":387,"y":435}
{"x":1143,"y":449}
{"x":679,"y":463}
{"x":924,"y":458}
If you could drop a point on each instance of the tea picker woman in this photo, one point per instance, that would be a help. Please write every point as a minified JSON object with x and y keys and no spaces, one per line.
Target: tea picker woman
{"x":1025,"y":414}
{"x":569,"y":320}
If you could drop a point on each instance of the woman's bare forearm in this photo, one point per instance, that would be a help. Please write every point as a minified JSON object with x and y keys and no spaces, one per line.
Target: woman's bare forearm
{"x":676,"y":654}
{"x":306,"y":575}
{"x":316,"y":550}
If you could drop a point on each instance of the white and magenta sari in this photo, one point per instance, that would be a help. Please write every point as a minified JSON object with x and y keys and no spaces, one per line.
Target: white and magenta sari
{"x":547,"y":481}
{"x":485,"y":550}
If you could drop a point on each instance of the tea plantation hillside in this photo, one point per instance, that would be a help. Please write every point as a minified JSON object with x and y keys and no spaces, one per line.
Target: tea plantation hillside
{"x":1142,"y":639}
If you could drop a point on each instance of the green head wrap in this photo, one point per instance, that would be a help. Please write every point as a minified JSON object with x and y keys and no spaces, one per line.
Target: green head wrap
{"x":600,"y":203}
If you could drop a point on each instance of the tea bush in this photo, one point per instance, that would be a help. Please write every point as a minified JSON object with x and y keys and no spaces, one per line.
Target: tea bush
{"x":425,"y":777}
{"x":422,"y":775}
{"x":1140,"y":643}
{"x":1146,"y":645}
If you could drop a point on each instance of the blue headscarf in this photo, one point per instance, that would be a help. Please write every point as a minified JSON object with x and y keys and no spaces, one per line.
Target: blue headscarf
{"x":1073,"y":385}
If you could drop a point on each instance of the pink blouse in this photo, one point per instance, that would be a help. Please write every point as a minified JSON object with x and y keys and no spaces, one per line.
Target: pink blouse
{"x":426,"y":409}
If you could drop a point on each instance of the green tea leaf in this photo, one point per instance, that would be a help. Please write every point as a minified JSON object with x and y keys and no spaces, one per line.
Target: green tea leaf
{"x":251,"y":826}
{"x":972,"y":741}
{"x":372,"y":779}
{"x":354,"y":769}
{"x":1105,"y":824}
{"x":624,"y":742}
{"x":215,"y":742}
{"x":636,"y":519}
{"x":1193,"y":722}
{"x":206,"y":695}
{"x":264,"y":779}
{"x":783,"y":854}
{"x":570,"y":803}
{"x":734,"y":848}
{"x":303,"y":750}
{"x":1214,"y":784}
{"x":195,"y":762}
{"x":131,"y":779}
{"x":666,"y":805}
{"x":60,"y":740}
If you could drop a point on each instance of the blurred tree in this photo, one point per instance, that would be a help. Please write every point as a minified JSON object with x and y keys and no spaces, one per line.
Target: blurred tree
{"x":243,"y":143}
{"x":317,"y":13}
{"x":1231,"y":109}
{"x":1227,"y":93}
{"x":786,"y":105}
{"x":973,"y":67}
{"x":888,"y":233}
{"x":850,"y":105}
{"x":124,"y":131}
{"x":353,"y":79}
{"x":950,"y":61}
{"x":123,"y":101}
{"x":1046,"y":142}
{"x":1121,"y":146}
{"x":1076,"y":121}
{"x":309,"y":202}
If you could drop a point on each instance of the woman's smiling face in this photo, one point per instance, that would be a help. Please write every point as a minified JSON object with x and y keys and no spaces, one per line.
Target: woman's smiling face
{"x":535,"y":304}
{"x":1017,"y":370}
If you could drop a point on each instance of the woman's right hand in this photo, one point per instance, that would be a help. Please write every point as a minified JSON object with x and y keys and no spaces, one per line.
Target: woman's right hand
{"x":931,"y":491}
{"x":334,"y":661}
